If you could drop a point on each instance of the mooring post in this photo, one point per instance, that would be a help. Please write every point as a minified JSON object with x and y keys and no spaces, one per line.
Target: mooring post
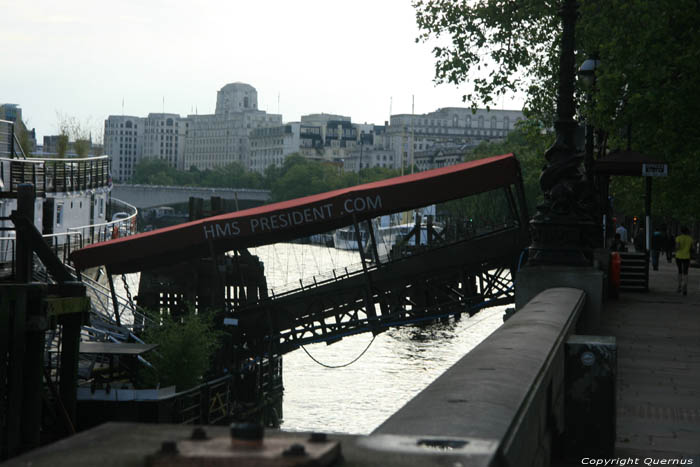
{"x":25,"y":208}
{"x":33,"y":358}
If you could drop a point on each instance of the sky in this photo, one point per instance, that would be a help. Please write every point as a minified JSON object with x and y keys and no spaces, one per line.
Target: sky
{"x":83,"y":59}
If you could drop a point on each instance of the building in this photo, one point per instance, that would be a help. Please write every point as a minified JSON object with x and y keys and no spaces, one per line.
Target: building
{"x":201,"y":141}
{"x":448,"y":129}
{"x":270,"y":145}
{"x":224,"y":137}
{"x":13,"y":113}
{"x":128,"y":139}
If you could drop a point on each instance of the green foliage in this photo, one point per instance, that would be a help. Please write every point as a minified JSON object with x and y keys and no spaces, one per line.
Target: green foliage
{"x":152,"y":171}
{"x":81,"y":147}
{"x":650,"y":59}
{"x":303,"y":177}
{"x":185,"y":349}
{"x":62,"y":145}
{"x":528,"y":142}
{"x":297,"y":177}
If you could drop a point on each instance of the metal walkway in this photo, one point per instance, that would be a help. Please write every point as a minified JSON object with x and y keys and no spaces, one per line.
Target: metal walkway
{"x":448,"y":276}
{"x":458,"y":278}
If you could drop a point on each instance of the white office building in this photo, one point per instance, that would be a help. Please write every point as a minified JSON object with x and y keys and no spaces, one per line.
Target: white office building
{"x":447,"y":128}
{"x":128,"y":139}
{"x":221,"y":138}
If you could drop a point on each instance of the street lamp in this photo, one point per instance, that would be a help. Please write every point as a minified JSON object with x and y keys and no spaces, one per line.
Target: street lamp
{"x":564,"y":221}
{"x":587,"y":75}
{"x":587,"y":72}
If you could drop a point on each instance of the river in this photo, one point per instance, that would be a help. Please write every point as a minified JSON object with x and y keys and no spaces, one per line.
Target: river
{"x":394,"y":367}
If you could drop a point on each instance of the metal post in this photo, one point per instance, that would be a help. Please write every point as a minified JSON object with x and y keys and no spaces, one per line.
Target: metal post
{"x":115,"y":302}
{"x":369,"y":305}
{"x":33,"y":359}
{"x":25,"y":208}
{"x":647,"y":211}
{"x":372,"y":238}
{"x":70,"y":348}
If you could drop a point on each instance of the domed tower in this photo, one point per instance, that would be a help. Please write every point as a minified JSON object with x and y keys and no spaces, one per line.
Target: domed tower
{"x":236,"y":97}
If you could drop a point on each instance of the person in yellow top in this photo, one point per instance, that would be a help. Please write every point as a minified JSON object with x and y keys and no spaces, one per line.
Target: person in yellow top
{"x":683,"y":243}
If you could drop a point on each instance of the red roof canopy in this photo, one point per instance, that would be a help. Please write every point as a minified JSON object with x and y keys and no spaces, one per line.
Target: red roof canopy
{"x":297,"y":218}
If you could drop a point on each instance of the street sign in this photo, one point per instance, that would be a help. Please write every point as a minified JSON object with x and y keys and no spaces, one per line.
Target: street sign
{"x":654,"y":170}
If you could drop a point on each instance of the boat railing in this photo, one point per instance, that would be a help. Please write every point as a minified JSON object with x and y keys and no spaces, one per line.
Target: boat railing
{"x":55,"y":175}
{"x":94,"y":233}
{"x":63,"y":243}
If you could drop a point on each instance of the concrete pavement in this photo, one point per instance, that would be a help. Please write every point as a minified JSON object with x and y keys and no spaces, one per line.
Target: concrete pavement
{"x":658,"y":384}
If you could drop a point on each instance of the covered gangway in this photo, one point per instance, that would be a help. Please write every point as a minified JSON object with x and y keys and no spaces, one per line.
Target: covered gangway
{"x":300,"y":217}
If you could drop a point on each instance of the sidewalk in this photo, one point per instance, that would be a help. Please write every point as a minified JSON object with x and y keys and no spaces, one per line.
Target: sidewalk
{"x":658,"y":383}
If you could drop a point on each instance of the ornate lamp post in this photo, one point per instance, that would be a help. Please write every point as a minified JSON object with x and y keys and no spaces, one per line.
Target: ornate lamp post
{"x":587,"y":75}
{"x":562,"y":226}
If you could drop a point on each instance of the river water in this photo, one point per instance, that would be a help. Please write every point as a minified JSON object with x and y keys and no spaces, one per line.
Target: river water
{"x":394,"y":367}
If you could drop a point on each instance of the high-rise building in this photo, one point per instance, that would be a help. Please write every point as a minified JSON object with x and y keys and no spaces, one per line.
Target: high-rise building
{"x":447,"y":128}
{"x":224,"y":137}
{"x":202,"y":141}
{"x":13,"y":113}
{"x":128,"y":139}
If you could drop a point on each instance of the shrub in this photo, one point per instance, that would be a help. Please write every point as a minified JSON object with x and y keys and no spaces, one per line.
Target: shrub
{"x":186,"y":345}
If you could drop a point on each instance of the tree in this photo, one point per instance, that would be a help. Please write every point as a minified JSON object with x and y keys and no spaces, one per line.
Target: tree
{"x":645,"y":90}
{"x":71,"y":128}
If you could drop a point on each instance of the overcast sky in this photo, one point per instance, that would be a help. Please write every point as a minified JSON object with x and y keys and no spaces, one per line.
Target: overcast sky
{"x":82,"y":58}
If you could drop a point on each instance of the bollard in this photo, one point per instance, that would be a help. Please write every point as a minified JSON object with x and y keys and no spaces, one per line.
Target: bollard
{"x":589,"y":400}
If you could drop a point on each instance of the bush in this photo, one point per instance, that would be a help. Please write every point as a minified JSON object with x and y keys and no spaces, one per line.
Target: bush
{"x":186,"y":345}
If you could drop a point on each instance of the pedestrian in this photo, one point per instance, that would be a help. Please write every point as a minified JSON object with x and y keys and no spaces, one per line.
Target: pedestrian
{"x":683,"y":244}
{"x":618,"y":244}
{"x":622,"y":231}
{"x":670,"y":244}
{"x":657,"y":244}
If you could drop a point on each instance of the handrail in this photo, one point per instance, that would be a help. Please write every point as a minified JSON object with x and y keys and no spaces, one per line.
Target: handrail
{"x":113,"y":222}
{"x":40,"y":159}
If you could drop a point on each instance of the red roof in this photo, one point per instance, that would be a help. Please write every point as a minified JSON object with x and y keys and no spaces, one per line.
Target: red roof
{"x":297,"y":218}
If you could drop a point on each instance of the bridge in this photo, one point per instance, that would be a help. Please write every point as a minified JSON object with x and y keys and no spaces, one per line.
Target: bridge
{"x":150,"y":196}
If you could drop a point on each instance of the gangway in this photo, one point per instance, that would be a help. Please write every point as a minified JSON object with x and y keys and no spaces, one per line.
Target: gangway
{"x":449,"y":277}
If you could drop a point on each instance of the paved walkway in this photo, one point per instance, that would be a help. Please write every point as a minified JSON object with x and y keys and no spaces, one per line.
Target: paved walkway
{"x":658,"y":338}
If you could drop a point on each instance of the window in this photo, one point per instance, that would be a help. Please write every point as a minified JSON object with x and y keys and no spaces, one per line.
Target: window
{"x":59,"y":213}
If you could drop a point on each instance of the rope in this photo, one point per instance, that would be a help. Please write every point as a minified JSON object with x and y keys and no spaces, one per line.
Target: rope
{"x":340,"y":366}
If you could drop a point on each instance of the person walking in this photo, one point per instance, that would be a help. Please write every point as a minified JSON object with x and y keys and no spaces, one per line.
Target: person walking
{"x":658,"y":242}
{"x":670,"y":244}
{"x":622,"y":231}
{"x":683,"y":244}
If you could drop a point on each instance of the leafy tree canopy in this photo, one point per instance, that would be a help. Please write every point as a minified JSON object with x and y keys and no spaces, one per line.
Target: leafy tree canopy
{"x":649,"y":52}
{"x":297,"y":177}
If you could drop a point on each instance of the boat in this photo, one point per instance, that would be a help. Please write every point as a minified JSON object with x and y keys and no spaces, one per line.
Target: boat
{"x":73,"y":206}
{"x":388,"y":231}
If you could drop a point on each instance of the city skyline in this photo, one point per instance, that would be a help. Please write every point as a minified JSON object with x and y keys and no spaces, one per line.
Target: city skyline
{"x":83,"y":61}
